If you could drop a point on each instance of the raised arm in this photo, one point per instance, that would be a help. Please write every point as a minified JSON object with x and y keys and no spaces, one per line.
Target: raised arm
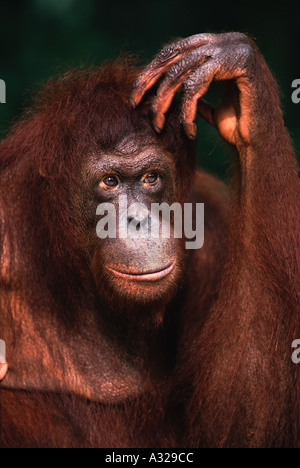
{"x":241,"y":364}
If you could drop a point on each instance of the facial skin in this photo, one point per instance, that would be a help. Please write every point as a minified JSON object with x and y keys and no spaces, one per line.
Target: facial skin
{"x":143,"y":271}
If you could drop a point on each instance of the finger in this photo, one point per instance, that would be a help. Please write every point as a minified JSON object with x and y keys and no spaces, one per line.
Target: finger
{"x":164,"y":60}
{"x":194,"y":88}
{"x":174,"y":80}
{"x":178,"y":50}
{"x":206,"y":111}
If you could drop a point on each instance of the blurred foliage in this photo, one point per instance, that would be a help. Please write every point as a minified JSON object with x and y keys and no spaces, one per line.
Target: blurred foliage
{"x":40,"y":38}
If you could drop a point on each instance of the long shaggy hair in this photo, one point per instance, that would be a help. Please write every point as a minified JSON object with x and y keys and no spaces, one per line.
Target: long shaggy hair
{"x":82,"y":111}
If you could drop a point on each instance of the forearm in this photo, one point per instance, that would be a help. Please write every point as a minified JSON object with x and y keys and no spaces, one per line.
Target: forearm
{"x":268,"y":193}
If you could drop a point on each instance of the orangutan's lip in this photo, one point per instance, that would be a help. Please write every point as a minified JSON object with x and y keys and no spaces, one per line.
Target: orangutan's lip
{"x":145,"y":276}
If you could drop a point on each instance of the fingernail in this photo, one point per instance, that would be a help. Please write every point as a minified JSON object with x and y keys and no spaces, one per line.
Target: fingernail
{"x":132,"y":102}
{"x":157,"y":129}
{"x":158,"y":121}
{"x":190,"y":130}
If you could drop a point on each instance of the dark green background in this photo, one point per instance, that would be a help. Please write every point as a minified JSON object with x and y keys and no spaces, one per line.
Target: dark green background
{"x":40,"y":38}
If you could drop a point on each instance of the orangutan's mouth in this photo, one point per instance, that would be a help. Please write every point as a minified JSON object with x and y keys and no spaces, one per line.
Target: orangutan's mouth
{"x":153,"y":276}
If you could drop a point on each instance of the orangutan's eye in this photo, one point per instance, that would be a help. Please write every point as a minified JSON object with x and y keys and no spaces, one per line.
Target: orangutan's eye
{"x":109,"y":182}
{"x":151,"y":179}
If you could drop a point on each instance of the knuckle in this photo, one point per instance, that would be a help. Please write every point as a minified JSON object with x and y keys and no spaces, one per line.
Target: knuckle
{"x":241,"y":37}
{"x":246,"y":54}
{"x":233,"y":37}
{"x":203,"y":37}
{"x":213,"y":51}
{"x":176,"y":69}
{"x":140,"y":81}
{"x":196,"y":79}
{"x":166,"y":54}
{"x":245,"y":49}
{"x":190,"y":85}
{"x":171,"y":50}
{"x":137,"y":82}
